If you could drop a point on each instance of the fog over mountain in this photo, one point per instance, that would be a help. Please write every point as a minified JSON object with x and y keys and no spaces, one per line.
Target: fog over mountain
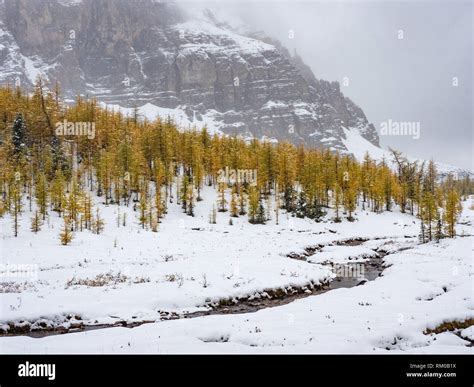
{"x":169,"y":62}
{"x":405,"y":80}
{"x":319,"y":73}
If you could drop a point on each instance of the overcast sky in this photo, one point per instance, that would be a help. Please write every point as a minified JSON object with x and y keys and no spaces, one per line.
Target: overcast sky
{"x":405,"y":80}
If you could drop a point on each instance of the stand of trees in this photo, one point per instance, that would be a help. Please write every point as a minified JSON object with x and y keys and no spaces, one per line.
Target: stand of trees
{"x":152,"y":164}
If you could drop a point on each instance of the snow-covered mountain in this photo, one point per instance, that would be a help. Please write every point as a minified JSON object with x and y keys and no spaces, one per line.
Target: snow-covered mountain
{"x":144,"y":52}
{"x":171,"y":61}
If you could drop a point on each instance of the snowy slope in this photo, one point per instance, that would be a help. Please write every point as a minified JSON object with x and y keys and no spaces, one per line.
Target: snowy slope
{"x":167,"y":270}
{"x":148,"y":111}
{"x":422,"y":287}
{"x":357,"y":145}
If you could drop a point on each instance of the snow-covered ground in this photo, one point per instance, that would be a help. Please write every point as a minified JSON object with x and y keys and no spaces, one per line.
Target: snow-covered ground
{"x":151,"y":112}
{"x":190,"y":263}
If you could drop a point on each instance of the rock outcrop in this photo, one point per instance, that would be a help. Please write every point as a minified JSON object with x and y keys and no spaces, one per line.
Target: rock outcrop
{"x":136,"y":52}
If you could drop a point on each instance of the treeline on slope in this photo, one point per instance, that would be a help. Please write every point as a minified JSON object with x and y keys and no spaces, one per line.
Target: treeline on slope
{"x":151,"y":164}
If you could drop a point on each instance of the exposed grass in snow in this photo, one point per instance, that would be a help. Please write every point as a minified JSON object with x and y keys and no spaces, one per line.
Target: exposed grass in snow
{"x":449,"y":326}
{"x":192,"y":264}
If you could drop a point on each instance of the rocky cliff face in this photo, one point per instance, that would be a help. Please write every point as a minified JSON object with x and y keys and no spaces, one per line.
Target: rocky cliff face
{"x":136,"y":52}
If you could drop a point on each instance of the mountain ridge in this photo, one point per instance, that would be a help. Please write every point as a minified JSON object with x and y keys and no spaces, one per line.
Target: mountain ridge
{"x":132,"y":53}
{"x":198,"y":69}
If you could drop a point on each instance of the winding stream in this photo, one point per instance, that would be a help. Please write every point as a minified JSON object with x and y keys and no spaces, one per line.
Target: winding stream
{"x":354,"y":274}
